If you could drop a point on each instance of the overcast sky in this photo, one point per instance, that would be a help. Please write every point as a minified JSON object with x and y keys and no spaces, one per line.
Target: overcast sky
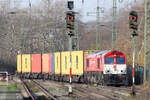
{"x":89,"y":6}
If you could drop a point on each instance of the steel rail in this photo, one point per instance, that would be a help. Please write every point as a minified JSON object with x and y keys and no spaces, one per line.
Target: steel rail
{"x":88,"y":92}
{"x":45,"y":91}
{"x":101,"y":94}
{"x":28,"y":91}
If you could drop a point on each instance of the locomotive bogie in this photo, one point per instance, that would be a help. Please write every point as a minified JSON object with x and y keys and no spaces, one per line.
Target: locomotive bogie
{"x":115,"y":79}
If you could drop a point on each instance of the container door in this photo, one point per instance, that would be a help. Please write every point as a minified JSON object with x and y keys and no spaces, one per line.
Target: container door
{"x":77,"y":62}
{"x":19,"y":63}
{"x":36,"y":63}
{"x":52,"y":63}
{"x":26,"y":63}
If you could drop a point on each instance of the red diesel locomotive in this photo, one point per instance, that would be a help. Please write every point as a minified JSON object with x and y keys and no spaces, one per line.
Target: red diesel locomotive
{"x":106,"y":67}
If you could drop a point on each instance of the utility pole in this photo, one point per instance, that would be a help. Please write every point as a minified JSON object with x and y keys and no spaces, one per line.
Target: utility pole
{"x":134,"y":52}
{"x":114,"y":20}
{"x":98,"y":38}
{"x":30,"y":30}
{"x":78,"y":40}
{"x":133,"y":24}
{"x":44,"y":41}
{"x":98,"y":35}
{"x":77,"y":34}
{"x":70,"y":18}
{"x":145,"y":39}
{"x":23,"y":35}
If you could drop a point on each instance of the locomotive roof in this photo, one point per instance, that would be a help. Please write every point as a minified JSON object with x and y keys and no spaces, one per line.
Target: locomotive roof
{"x":99,"y":53}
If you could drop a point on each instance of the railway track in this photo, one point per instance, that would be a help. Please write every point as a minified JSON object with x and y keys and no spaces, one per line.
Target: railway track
{"x":28,"y":91}
{"x":122,"y":90}
{"x":32,"y":95}
{"x":89,"y":93}
{"x":84,"y":91}
{"x":45,"y":91}
{"x":99,"y":94}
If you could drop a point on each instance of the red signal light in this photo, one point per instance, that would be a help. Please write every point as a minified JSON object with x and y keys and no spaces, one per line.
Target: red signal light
{"x":130,"y":17}
{"x":134,"y":17}
{"x":72,"y":18}
{"x":68,"y":17}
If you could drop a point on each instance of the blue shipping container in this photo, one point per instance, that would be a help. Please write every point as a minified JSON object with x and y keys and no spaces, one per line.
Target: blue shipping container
{"x":53,"y":63}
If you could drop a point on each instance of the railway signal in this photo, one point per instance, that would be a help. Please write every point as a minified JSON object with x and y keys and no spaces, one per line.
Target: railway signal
{"x":133,"y":18}
{"x":70,"y":5}
{"x":71,"y":34}
{"x":70,"y":19}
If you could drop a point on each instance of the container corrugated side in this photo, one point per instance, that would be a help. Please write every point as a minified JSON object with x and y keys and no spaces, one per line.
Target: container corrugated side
{"x":26,"y":63}
{"x":65,"y":62}
{"x":77,"y":62}
{"x":46,"y":63}
{"x":57,"y":62}
{"x":36,"y":63}
{"x":19,"y":63}
{"x":52,"y":63}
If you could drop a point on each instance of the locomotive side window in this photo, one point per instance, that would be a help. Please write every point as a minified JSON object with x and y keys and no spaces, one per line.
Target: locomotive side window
{"x":76,"y":62}
{"x":98,"y":61}
{"x":120,"y":60}
{"x":109,"y":60}
{"x":87,"y":62}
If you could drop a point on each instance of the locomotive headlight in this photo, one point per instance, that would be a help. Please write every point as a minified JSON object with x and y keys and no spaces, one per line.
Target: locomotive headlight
{"x":123,"y":71}
{"x":107,"y":71}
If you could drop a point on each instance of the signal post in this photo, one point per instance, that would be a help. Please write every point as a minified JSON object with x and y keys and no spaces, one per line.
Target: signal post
{"x":70,"y":18}
{"x":133,"y":18}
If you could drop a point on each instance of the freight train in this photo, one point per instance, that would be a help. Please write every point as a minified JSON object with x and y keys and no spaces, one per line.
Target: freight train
{"x":102,"y":67}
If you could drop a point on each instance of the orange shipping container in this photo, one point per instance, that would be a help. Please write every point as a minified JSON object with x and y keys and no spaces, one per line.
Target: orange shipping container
{"x":36,"y":63}
{"x":46,"y":63}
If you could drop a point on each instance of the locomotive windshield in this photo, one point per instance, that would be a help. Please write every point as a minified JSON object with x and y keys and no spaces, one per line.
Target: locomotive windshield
{"x":120,"y":60}
{"x":109,"y":60}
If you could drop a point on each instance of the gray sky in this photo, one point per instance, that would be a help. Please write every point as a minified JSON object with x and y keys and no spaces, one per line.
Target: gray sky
{"x":89,"y":6}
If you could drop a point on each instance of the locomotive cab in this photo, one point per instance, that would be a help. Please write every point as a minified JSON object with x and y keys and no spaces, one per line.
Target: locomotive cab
{"x":115,"y":68}
{"x":114,"y":63}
